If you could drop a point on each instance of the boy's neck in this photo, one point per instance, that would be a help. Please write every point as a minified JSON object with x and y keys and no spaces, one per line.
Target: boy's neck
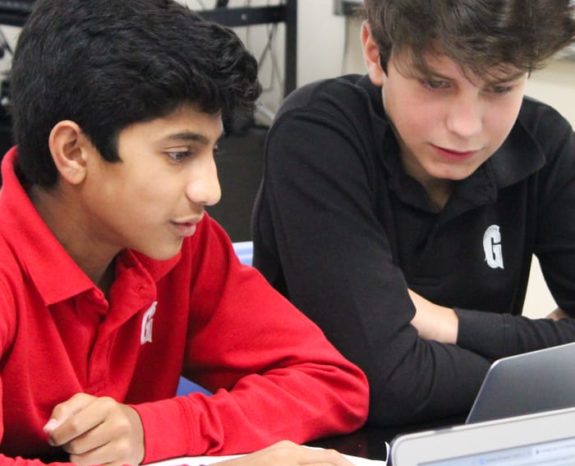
{"x":69,"y":224}
{"x":438,"y":190}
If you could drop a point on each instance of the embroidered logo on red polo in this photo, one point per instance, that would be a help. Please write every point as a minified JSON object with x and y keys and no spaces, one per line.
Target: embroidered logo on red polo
{"x":492,"y":247}
{"x":148,"y":324}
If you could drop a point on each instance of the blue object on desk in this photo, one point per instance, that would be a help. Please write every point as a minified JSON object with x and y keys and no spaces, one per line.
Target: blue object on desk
{"x":186,"y":386}
{"x":244,"y":251}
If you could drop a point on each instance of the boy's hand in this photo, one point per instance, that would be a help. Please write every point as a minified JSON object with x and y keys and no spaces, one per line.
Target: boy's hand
{"x":434,"y":322}
{"x":286,"y":453}
{"x":97,"y":430}
{"x":557,"y":314}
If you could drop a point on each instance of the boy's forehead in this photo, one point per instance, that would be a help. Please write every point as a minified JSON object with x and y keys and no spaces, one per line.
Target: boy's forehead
{"x":433,"y":62}
{"x":185,"y":123}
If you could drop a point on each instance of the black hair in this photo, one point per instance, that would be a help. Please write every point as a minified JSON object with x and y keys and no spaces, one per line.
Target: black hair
{"x":106,"y":64}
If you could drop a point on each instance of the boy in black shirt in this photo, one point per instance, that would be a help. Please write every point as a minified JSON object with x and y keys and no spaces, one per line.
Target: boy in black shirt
{"x":400,"y":210}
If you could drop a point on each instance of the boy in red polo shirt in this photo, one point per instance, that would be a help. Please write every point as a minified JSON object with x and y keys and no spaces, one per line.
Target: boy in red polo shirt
{"x":113,"y":279}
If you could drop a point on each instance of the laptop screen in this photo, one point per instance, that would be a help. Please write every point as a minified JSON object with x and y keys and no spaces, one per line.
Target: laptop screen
{"x":556,"y":453}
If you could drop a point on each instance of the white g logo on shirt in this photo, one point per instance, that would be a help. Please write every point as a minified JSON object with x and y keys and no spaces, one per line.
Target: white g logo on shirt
{"x":148,"y":324}
{"x":492,"y":247}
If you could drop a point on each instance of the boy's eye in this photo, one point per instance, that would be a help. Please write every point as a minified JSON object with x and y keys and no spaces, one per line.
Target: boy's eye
{"x":179,"y":155}
{"x":435,"y":83}
{"x":500,"y":89}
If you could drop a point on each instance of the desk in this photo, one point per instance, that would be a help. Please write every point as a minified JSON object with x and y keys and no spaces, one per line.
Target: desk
{"x":370,"y":442}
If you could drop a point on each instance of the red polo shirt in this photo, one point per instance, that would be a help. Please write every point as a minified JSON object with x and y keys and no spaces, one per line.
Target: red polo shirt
{"x":201,"y":313}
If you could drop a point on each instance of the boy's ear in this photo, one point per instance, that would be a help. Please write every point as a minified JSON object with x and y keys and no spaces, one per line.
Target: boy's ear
{"x":371,"y":56}
{"x":70,"y":150}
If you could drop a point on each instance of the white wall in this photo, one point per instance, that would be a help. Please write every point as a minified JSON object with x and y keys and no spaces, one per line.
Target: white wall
{"x":321,"y":41}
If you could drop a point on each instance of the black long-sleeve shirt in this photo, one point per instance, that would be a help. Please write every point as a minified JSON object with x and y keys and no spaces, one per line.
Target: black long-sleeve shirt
{"x":343,"y":232}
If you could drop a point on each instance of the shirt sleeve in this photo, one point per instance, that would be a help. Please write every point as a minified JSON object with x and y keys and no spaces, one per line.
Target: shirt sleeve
{"x":7,"y":312}
{"x":274,"y":373}
{"x":317,"y":238}
{"x":553,"y":200}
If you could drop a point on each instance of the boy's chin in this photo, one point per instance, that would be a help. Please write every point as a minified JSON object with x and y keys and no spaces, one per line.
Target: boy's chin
{"x":163,"y":254}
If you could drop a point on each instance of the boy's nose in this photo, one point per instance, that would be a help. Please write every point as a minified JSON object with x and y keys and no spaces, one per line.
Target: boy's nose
{"x":204,"y":186}
{"x":465,"y":117}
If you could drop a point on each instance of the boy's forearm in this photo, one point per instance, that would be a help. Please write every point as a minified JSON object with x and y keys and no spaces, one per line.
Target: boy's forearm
{"x":434,"y":322}
{"x":299,"y":404}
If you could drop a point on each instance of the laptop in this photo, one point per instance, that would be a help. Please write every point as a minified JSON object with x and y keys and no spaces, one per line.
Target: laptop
{"x":527,"y":383}
{"x":544,"y":439}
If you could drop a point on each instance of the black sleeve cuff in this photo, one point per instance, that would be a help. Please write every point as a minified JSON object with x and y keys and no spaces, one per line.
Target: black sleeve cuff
{"x":482,"y":332}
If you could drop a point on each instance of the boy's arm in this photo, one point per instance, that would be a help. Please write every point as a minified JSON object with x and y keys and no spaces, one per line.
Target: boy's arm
{"x":493,"y":335}
{"x":274,"y":374}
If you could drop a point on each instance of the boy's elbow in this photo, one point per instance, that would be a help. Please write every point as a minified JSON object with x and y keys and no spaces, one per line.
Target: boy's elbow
{"x":355,"y":395}
{"x":363,"y":396}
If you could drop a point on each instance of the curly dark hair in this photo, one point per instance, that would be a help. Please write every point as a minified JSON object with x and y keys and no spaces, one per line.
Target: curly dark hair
{"x":106,"y":64}
{"x":480,"y":35}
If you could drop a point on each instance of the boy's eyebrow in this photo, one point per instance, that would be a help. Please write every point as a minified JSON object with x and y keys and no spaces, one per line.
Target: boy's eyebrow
{"x":193,"y":137}
{"x":506,"y":79}
{"x":428,"y":73}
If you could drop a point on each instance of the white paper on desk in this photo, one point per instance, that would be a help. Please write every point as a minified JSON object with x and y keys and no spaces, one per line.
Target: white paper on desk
{"x":207,"y":460}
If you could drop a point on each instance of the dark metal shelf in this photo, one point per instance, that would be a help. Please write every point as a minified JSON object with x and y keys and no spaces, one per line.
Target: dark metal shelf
{"x":250,"y":16}
{"x":346,"y":7}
